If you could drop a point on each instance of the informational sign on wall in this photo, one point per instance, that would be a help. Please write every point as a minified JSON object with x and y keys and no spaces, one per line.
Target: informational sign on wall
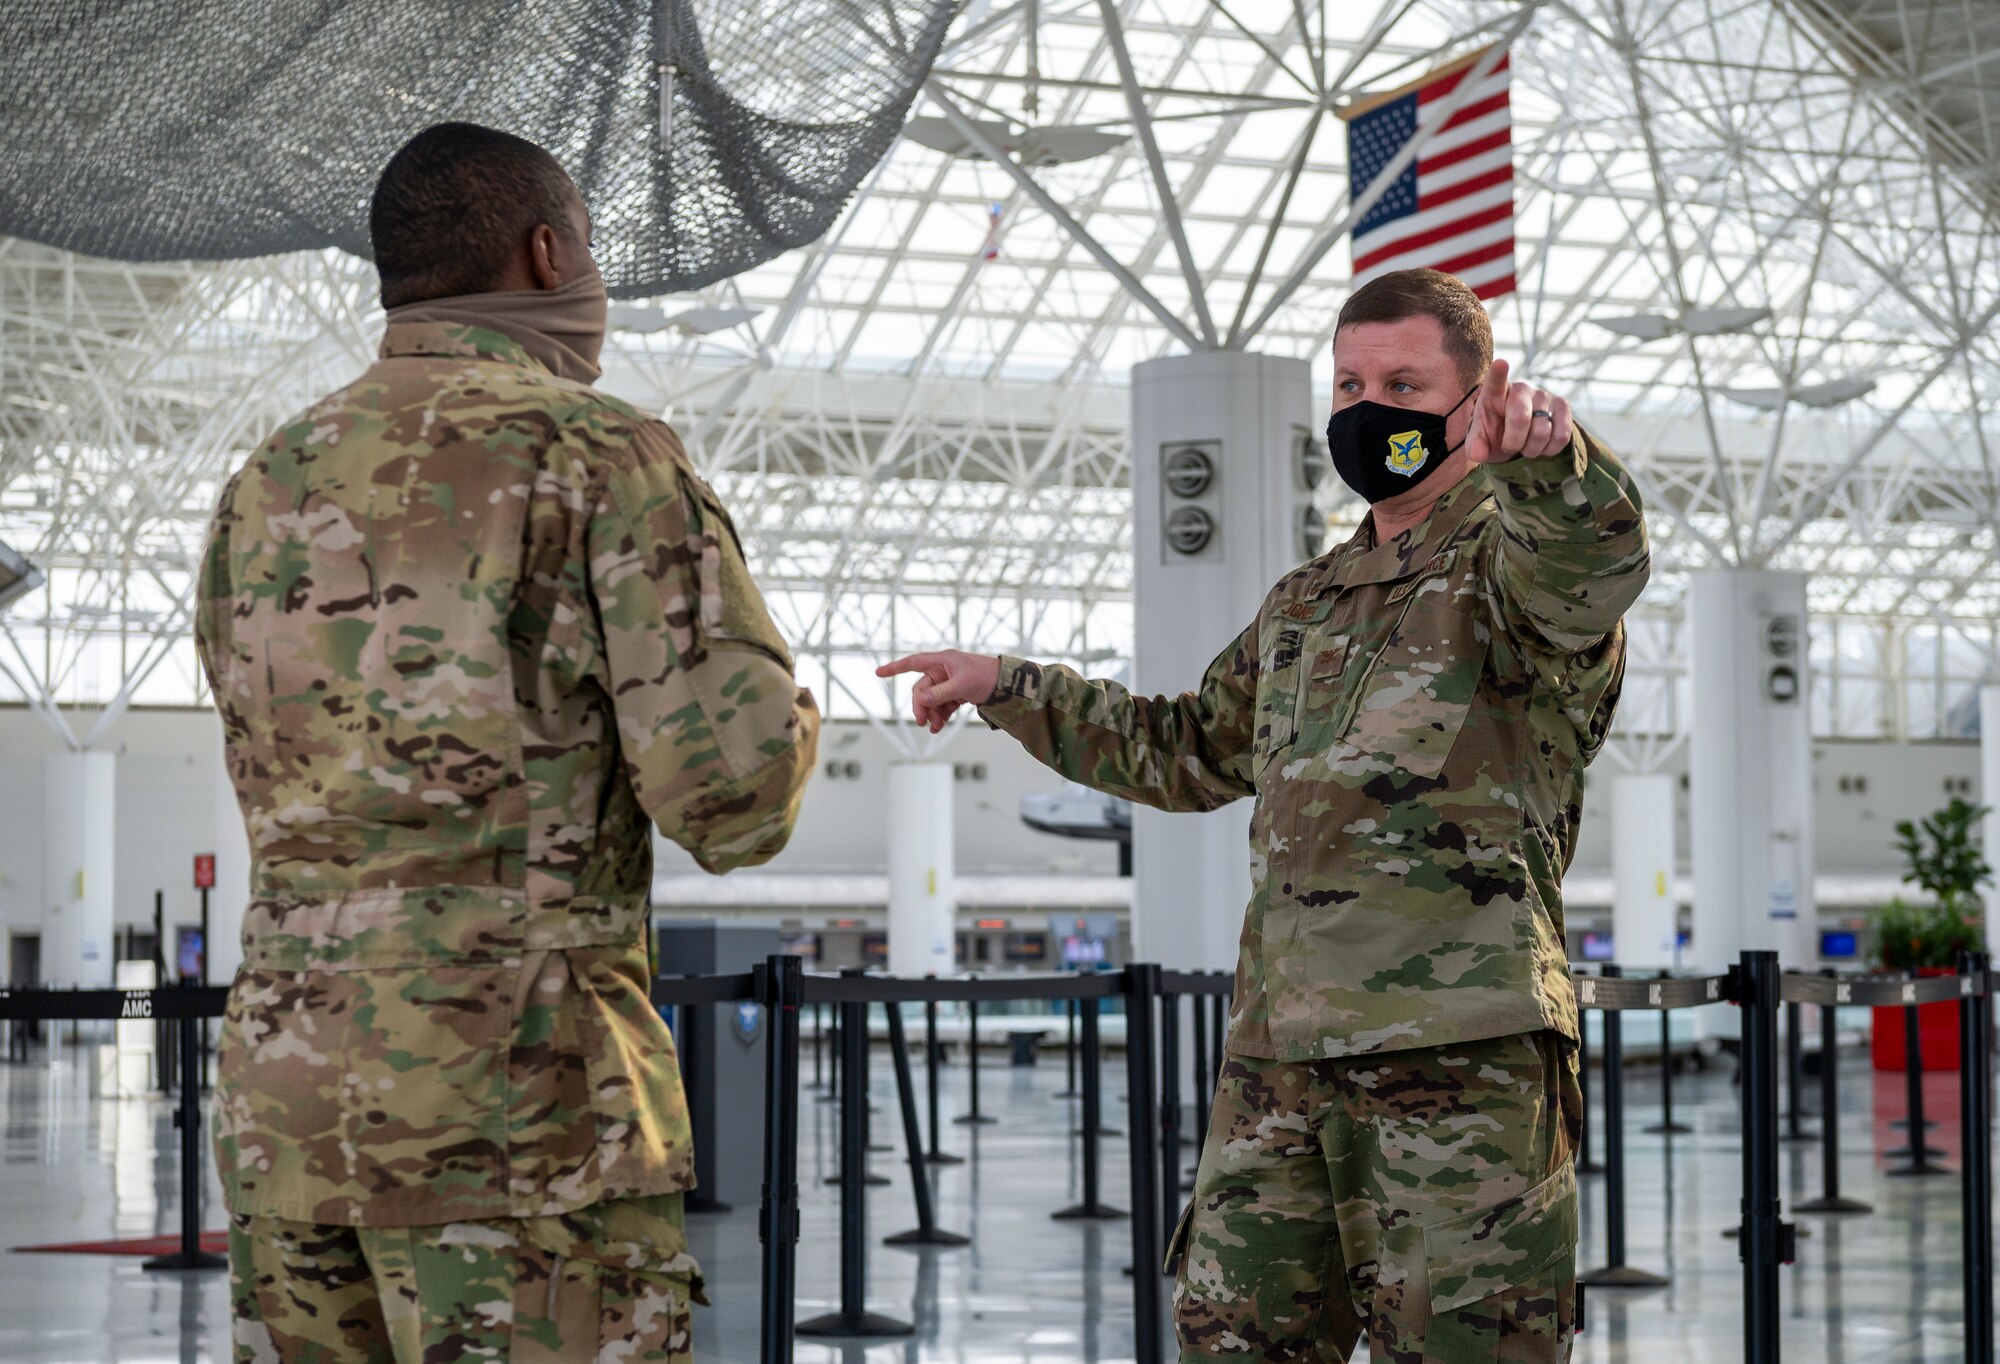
{"x":204,"y":871}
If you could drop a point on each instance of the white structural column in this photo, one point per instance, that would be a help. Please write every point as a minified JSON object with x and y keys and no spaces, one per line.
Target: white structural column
{"x":231,"y":895}
{"x":1750,"y":775}
{"x":79,"y":855}
{"x":1644,"y":924}
{"x":921,"y":896}
{"x":1220,"y":444}
{"x":1989,"y":796}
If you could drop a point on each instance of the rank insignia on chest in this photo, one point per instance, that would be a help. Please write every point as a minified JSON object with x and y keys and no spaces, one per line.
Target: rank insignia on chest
{"x":1406,"y":452}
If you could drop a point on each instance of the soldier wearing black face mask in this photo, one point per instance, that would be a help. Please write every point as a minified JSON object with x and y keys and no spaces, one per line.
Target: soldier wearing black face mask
{"x":1389,"y":1152}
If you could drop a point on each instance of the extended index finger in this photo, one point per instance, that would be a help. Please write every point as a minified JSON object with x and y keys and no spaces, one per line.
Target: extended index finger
{"x":913,"y":663}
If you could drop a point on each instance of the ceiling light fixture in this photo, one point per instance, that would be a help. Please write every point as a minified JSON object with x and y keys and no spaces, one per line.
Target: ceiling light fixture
{"x":1055,"y":145}
{"x":1693,"y":322}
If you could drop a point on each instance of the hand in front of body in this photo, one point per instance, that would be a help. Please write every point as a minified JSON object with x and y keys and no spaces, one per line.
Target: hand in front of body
{"x":1515,"y":421}
{"x":950,"y":678}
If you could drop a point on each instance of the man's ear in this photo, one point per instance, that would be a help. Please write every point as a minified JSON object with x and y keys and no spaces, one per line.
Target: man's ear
{"x":544,"y":256}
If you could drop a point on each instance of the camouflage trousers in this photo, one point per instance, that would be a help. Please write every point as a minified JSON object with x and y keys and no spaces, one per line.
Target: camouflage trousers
{"x":611,"y":1282}
{"x":1425,"y":1197}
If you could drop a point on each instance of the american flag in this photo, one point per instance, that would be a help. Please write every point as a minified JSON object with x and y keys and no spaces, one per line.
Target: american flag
{"x":1452,"y":208}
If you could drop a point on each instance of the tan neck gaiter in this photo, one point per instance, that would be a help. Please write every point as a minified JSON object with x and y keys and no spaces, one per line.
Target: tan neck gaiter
{"x":563,"y":327}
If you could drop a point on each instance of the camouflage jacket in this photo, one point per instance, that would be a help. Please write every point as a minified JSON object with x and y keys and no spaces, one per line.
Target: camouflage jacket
{"x":471,"y":627}
{"x":1413,"y":719}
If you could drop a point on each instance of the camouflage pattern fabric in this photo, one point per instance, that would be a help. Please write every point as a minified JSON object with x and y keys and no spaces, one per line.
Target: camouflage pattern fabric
{"x":1413,"y":719}
{"x":612,"y":1282}
{"x":1422,"y":1197}
{"x":471,"y":629}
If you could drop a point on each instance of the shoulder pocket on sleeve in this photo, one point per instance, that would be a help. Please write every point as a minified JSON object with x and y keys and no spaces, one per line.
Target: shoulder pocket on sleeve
{"x":731,"y":609}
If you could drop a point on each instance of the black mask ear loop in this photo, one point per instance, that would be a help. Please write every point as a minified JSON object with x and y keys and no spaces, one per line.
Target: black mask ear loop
{"x":1452,"y":449}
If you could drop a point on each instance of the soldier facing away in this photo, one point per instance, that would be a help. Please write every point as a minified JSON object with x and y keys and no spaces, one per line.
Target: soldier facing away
{"x":1390,"y":1146}
{"x":472,"y":626}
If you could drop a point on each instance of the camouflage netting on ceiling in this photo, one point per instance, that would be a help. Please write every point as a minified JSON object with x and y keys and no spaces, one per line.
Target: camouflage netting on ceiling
{"x":207,"y":129}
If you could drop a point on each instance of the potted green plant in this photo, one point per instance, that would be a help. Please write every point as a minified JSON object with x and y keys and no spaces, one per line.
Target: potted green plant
{"x":1942,"y":856}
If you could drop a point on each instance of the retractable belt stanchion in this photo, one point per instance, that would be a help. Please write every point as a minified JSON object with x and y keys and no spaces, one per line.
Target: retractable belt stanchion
{"x":819,"y":1036}
{"x":972,"y":1117}
{"x":188,"y":1119}
{"x":1765,"y":1239}
{"x":926,"y":1232}
{"x":1142,"y":985}
{"x":1975,"y":1125}
{"x":1794,"y":1076}
{"x":1666,"y":1126}
{"x":1830,"y":1199}
{"x":1586,"y":1163}
{"x":1615,"y":1273}
{"x":1091,"y":1208}
{"x":853,"y":1318}
{"x":931,"y":1094}
{"x":781,"y":985}
{"x":832,"y":1031}
{"x":1204,"y":1095}
{"x":1218,"y":1028}
{"x":1069,"y":1090}
{"x":1918,"y":1151}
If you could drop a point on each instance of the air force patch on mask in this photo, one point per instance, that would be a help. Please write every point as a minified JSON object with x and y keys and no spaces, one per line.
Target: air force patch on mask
{"x":1407,"y":453}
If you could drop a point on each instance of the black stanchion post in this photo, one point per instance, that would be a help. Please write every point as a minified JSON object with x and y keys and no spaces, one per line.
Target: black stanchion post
{"x":782,"y":985}
{"x":853,"y":1318}
{"x":1204,"y":1096}
{"x":972,"y":1117}
{"x":1142,"y":991}
{"x":1586,"y":1164}
{"x":832,"y":1095}
{"x":188,"y":1119}
{"x":1069,"y":1090}
{"x":1830,"y":1199}
{"x":1975,"y":1127}
{"x":1666,"y":1126}
{"x":163,"y":1035}
{"x":1170,"y":1107}
{"x":695,"y":1020}
{"x":935,"y":1087}
{"x":1616,"y":1273}
{"x":1919,"y":1152}
{"x":819,"y":1069}
{"x":1794,"y":1076}
{"x":1093,"y":1113}
{"x":1218,"y":1012}
{"x":926,"y":1232}
{"x":1764,"y":1238}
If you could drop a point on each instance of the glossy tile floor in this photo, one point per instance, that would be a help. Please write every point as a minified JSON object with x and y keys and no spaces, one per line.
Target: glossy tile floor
{"x":1879,"y":1288}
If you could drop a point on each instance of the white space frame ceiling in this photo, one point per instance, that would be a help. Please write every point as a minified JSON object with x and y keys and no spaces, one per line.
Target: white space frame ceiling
{"x":922,"y":429}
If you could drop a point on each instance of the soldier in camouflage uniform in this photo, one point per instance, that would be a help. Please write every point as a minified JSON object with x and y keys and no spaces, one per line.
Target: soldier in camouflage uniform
{"x":1412,"y":712}
{"x":473,"y":628}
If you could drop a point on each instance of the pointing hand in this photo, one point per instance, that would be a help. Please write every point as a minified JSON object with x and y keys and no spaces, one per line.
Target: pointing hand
{"x":950,"y":678}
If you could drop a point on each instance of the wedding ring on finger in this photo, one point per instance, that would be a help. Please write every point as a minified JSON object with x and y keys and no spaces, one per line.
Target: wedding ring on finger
{"x":1544,"y":414}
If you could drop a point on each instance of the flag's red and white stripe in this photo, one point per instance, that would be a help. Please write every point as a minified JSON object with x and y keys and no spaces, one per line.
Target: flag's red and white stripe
{"x":1462,"y":217}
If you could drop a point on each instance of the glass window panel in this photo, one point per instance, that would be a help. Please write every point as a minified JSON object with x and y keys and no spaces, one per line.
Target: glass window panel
{"x":1920,"y":711}
{"x":1920,"y":651}
{"x":1819,"y":693}
{"x":1862,"y":708}
{"x":1968,"y":652}
{"x":1960,"y":719}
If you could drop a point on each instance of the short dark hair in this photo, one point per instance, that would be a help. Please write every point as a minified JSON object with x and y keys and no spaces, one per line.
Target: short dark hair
{"x":454,"y":202}
{"x":1468,"y":332}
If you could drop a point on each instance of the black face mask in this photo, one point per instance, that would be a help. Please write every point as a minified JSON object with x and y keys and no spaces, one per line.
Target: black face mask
{"x":1380,"y":451}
